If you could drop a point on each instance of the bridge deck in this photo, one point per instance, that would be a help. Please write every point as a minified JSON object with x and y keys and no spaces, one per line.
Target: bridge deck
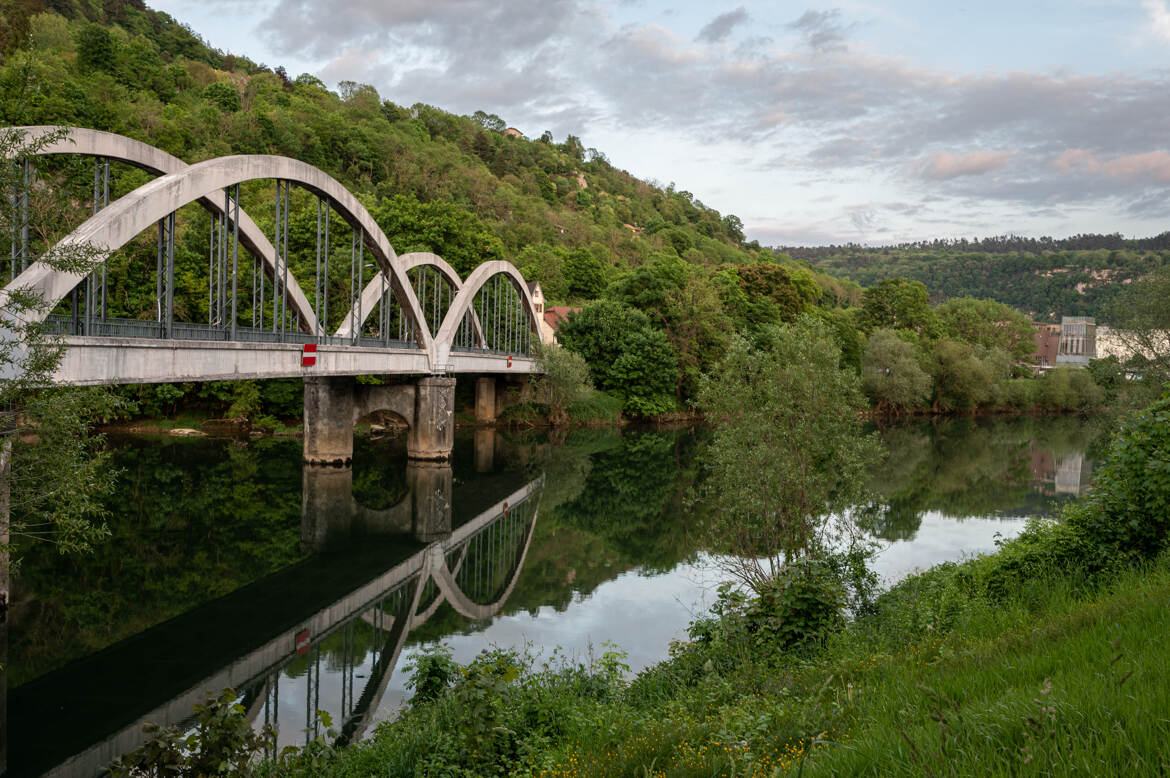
{"x":106,"y":360}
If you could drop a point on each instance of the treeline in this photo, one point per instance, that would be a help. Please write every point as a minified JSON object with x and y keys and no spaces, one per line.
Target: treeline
{"x":998,"y":244}
{"x":659,"y":329}
{"x":1044,"y":281}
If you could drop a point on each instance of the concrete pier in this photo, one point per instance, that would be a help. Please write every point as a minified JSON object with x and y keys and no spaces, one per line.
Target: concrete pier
{"x":334,"y":405}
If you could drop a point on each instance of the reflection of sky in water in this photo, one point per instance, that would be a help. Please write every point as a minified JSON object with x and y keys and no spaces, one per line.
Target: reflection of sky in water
{"x":643,"y":614}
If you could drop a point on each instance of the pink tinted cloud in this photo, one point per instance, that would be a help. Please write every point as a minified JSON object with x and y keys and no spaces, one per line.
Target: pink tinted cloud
{"x":944,"y":164}
{"x":1149,"y":166}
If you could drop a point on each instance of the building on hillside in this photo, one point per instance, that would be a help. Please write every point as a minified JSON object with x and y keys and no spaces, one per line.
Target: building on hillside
{"x":551,"y":317}
{"x":512,"y":132}
{"x":1047,"y":339}
{"x":1078,"y":341}
{"x":554,"y":317}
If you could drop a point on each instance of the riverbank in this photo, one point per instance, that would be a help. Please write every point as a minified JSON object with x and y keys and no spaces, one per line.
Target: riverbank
{"x":1055,"y":678}
{"x":1046,"y":657}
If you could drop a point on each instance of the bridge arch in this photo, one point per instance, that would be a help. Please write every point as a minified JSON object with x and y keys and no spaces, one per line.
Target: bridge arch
{"x":96,"y":143}
{"x":122,"y":220}
{"x":373,"y":292}
{"x":465,"y":299}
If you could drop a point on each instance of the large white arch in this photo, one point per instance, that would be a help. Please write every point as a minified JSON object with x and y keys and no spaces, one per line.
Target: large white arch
{"x":95,"y":143}
{"x":445,"y":337}
{"x":125,"y":218}
{"x":373,"y":291}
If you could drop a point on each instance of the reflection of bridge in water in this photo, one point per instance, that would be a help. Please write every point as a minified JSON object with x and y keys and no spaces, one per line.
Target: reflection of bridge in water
{"x":323,"y":634}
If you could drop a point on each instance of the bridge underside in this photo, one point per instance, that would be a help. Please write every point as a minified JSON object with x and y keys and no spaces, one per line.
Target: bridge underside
{"x":94,"y":360}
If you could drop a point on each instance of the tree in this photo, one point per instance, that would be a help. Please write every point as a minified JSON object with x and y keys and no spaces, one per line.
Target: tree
{"x":988,"y":324}
{"x":961,"y":380}
{"x":458,"y":236}
{"x":683,"y":301}
{"x":585,"y":274}
{"x":899,"y":304}
{"x":1141,"y":321}
{"x":625,"y":354}
{"x":564,"y":380}
{"x":53,"y":472}
{"x":891,"y":375}
{"x":788,"y":451}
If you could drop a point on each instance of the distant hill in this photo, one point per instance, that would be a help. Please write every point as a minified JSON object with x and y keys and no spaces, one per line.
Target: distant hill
{"x":1045,"y":277}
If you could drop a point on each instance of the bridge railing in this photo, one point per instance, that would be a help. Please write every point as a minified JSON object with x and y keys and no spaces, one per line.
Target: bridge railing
{"x":57,"y":324}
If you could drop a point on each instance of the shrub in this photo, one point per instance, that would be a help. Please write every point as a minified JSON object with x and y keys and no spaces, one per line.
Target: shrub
{"x":1127,"y":512}
{"x":597,"y":406}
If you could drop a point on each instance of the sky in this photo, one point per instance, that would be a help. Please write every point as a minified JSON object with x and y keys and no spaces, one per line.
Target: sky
{"x":864,"y":122}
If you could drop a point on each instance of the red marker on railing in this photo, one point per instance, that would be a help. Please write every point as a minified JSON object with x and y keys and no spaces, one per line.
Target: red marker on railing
{"x":309,"y":355}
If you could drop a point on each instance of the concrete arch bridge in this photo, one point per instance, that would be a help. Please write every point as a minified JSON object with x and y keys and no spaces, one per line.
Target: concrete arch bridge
{"x":371,"y":312}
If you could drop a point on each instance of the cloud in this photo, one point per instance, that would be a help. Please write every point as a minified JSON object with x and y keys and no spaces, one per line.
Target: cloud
{"x":822,"y":110}
{"x":1159,"y":18}
{"x":721,"y":26}
{"x":1151,"y":167}
{"x":822,"y":30}
{"x":943,"y":165}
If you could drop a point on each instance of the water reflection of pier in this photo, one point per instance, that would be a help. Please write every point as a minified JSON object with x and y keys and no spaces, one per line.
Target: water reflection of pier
{"x":328,"y":630}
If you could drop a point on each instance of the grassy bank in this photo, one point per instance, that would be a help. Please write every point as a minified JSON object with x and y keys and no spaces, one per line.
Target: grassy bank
{"x":1053,"y":678}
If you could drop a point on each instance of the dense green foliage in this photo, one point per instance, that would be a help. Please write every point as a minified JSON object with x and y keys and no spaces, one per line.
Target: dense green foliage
{"x":1044,"y":278}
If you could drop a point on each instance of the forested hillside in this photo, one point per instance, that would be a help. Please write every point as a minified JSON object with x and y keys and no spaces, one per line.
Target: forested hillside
{"x":1044,"y":278}
{"x":455,"y":185}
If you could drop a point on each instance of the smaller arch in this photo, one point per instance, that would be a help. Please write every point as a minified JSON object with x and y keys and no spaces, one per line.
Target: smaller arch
{"x":373,"y":291}
{"x":445,"y":337}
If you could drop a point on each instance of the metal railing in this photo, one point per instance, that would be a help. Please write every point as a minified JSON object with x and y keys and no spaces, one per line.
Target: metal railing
{"x":57,"y":324}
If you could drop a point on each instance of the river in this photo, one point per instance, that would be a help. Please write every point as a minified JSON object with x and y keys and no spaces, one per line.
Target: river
{"x":229,"y":563}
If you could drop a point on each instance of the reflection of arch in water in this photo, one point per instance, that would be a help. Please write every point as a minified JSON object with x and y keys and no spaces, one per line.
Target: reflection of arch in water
{"x":445,"y":570}
{"x":437,"y":570}
{"x":389,"y":599}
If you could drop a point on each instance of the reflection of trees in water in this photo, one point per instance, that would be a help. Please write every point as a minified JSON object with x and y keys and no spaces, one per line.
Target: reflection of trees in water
{"x":190,"y":520}
{"x":379,"y":473}
{"x":613,"y":501}
{"x":970,"y":467}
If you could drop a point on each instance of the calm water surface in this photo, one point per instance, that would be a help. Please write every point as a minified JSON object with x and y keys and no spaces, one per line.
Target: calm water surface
{"x":311,"y":588}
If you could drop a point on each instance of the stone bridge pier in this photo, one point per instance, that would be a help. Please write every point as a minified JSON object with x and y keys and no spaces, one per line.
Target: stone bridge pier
{"x":334,"y":404}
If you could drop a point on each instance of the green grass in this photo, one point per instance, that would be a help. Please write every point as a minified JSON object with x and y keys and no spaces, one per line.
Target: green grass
{"x":1057,"y":678}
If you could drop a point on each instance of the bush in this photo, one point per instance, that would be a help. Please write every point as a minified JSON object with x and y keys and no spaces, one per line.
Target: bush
{"x":1019,"y":393}
{"x":596,"y":407}
{"x":565,"y":380}
{"x":799,"y":606}
{"x":1127,"y":512}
